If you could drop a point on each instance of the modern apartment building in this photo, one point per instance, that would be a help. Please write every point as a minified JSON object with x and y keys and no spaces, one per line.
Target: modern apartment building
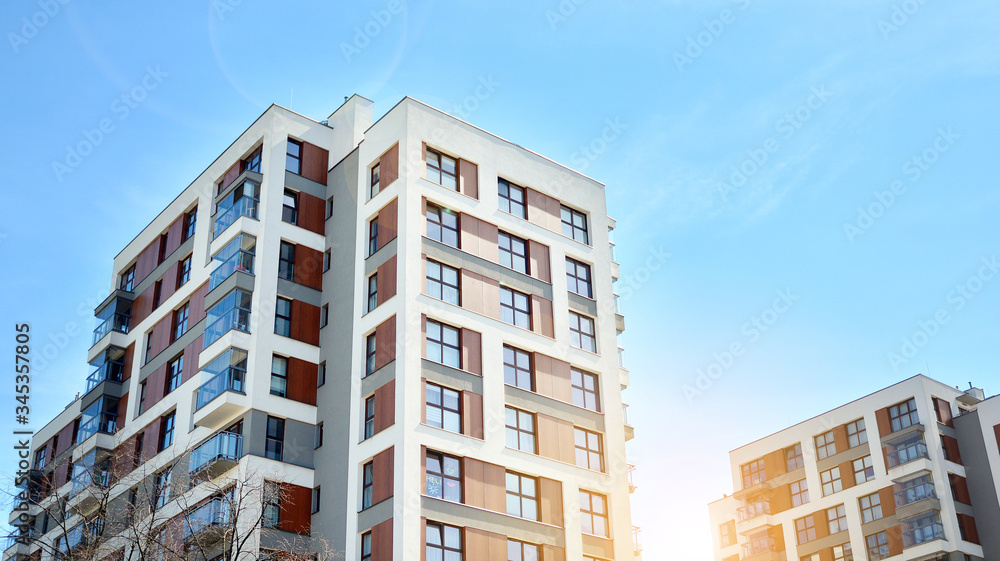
{"x":910,"y":472}
{"x":396,"y":341}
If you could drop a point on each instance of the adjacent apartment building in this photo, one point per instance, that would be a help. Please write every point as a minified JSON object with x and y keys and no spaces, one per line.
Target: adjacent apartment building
{"x":392,"y":341}
{"x":910,"y":472}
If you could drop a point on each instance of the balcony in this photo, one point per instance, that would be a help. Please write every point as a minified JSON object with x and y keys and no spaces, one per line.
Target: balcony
{"x":223,"y":395}
{"x":101,"y":417}
{"x":237,"y":255}
{"x":108,"y":367}
{"x":753,"y":510}
{"x":208,"y":523}
{"x":629,"y":429}
{"x":906,"y":450}
{"x":216,"y":455}
{"x":232,"y":312}
{"x":922,"y":529}
{"x":242,"y":201}
{"x":636,"y":543}
{"x":759,"y":548}
{"x":629,"y":471}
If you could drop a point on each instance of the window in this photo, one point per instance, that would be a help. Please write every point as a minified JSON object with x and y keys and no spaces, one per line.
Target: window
{"x":589,"y":453}
{"x":520,"y":551}
{"x":594,"y":513}
{"x":800,"y":492}
{"x":319,"y":435}
{"x":753,"y":473}
{"x":871,"y":508}
{"x":290,"y":207}
{"x":906,"y":449}
{"x":726,"y":538}
{"x":184,"y":271}
{"x":315,"y":500}
{"x":443,"y":344}
{"x":442,"y":282}
{"x":174,"y":374}
{"x":370,"y":343}
{"x":366,"y":546}
{"x":162,"y":487}
{"x":283,"y":317}
{"x":442,"y":170}
{"x":128,"y":279}
{"x":574,"y":225}
{"x":369,"y":417}
{"x":843,"y":552}
{"x":443,"y":542}
{"x":275,"y":440}
{"x":805,"y":530}
{"x":279,"y":375}
{"x":324,"y":315}
{"x":863,"y":470}
{"x":373,"y":236}
{"x":40,"y":458}
{"x":513,"y":252}
{"x":166,"y":431}
{"x":511,"y":198}
{"x":327,"y":255}
{"x":190,"y":221}
{"x":825,"y":445}
{"x":293,"y":157}
{"x":157,"y":293}
{"x":443,"y":408}
{"x":578,"y":278}
{"x":181,"y":321}
{"x":252,"y":162}
{"x":831,"y":481}
{"x":515,"y":308}
{"x":329,"y":208}
{"x":922,"y":528}
{"x":372,"y":291}
{"x":286,"y":261}
{"x":517,"y":369}
{"x":581,"y":332}
{"x":878,"y":546}
{"x":522,"y":496}
{"x":442,"y":225}
{"x":272,"y":504}
{"x":373,"y":185}
{"x":520,"y":430}
{"x":368,"y":484}
{"x":914,"y":490}
{"x":163,"y":249}
{"x":321,"y":374}
{"x":836,"y":517}
{"x":903,"y":415}
{"x":444,"y":477}
{"x":585,"y":389}
{"x":793,"y":458}
{"x":856,"y":434}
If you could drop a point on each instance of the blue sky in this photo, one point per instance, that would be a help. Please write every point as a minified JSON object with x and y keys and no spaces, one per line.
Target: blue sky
{"x":807,"y":183}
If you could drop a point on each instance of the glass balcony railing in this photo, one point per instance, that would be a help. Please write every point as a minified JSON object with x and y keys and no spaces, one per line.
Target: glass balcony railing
{"x":241,"y":261}
{"x":753,"y":510}
{"x":758,"y":546}
{"x":924,"y":489}
{"x":230,"y":380}
{"x":232,"y":312}
{"x":222,"y":446}
{"x":214,"y":513}
{"x":245,"y":206}
{"x":906,"y":451}
{"x":922,"y":529}
{"x":102,"y":416}
{"x":110,"y":366}
{"x":117,"y":322}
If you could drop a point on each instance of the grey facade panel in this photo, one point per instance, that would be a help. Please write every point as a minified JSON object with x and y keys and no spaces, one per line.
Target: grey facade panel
{"x":583,"y":305}
{"x":980,"y":477}
{"x":239,"y":279}
{"x":379,"y":378}
{"x":452,"y":377}
{"x":299,"y":443}
{"x":296,"y":291}
{"x":507,"y":277}
{"x":308,"y":186}
{"x":458,"y":514}
{"x":531,"y":401}
{"x":375,"y":514}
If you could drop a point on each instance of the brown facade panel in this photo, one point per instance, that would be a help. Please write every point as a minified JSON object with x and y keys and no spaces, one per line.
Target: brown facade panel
{"x":951,"y":452}
{"x":540,"y":265}
{"x":191,"y":353}
{"x":231,"y":174}
{"x":315,"y":162}
{"x":472,"y":351}
{"x":489,"y":241}
{"x":550,"y":501}
{"x":943,"y":410}
{"x":388,"y":220}
{"x":960,"y":488}
{"x":781,"y":499}
{"x":552,"y":377}
{"x":129,"y":357}
{"x":142,"y":306}
{"x":295,"y":514}
{"x":174,"y":234}
{"x":996,"y":433}
{"x":388,"y":167}
{"x":774,"y":464}
{"x":822,"y":526}
{"x":302,"y":381}
{"x":385,"y":342}
{"x":472,"y":414}
{"x":468,"y":234}
{"x":305,"y":322}
{"x":541,"y":316}
{"x":159,"y":337}
{"x":555,"y":438}
{"x":386,"y":280}
{"x":484,"y":485}
{"x":309,"y":267}
{"x":168,"y":284}
{"x":150,"y":440}
{"x":544,"y":211}
{"x":847,"y":474}
{"x":197,"y":311}
{"x":312,"y":213}
{"x":887,"y":497}
{"x":382,"y":541}
{"x":382,"y":482}
{"x":155,"y":386}
{"x":894,"y":535}
{"x":484,"y":546}
{"x":66,"y":438}
{"x":385,"y":406}
{"x":468,"y":179}
{"x":122,"y":407}
{"x":884,"y":426}
{"x":968,"y":526}
{"x":147,"y":260}
{"x":840,"y":438}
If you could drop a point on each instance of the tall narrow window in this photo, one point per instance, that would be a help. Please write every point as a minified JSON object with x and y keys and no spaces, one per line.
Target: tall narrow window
{"x":856,"y":433}
{"x":372,"y":291}
{"x":589,"y":452}
{"x":513,"y":252}
{"x":517,"y":370}
{"x":574,"y":225}
{"x":368,"y":485}
{"x":373,"y":236}
{"x":184,"y":271}
{"x":793,"y":458}
{"x":511,"y":198}
{"x":442,"y":170}
{"x":578,"y":278}
{"x":162,"y":487}
{"x":290,"y":207}
{"x":157,"y":293}
{"x":443,"y":344}
{"x":520,"y":430}
{"x":293,"y":157}
{"x":286,"y":261}
{"x":181,"y":321}
{"x":283,"y":317}
{"x":594,"y":513}
{"x":329,"y":208}
{"x":515,"y":308}
{"x":581,"y":332}
{"x":522,"y":496}
{"x":442,"y":225}
{"x":174,"y":374}
{"x":584,"y":389}
{"x":128,"y":279}
{"x":373,"y":189}
{"x":369,"y":417}
{"x":279,"y":375}
{"x":366,"y":546}
{"x":444,"y":477}
{"x":167,"y":431}
{"x":370,"y":345}
{"x":275,"y":441}
{"x":190,"y":221}
{"x":271,"y":504}
{"x":442,"y":282}
{"x":316,"y":499}
{"x":443,"y":408}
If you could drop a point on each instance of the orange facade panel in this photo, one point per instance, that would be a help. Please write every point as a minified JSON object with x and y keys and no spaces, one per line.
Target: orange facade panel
{"x":315,"y":162}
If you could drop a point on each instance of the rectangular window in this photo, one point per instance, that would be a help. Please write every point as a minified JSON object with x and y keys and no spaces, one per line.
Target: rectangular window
{"x":831,"y":481}
{"x":442,"y":225}
{"x":274,"y":443}
{"x":319,"y":435}
{"x":372,"y":291}
{"x":373,"y":185}
{"x":825,"y":445}
{"x":128,"y":279}
{"x":443,"y":408}
{"x":175,"y":372}
{"x":286,"y":261}
{"x":190,"y":221}
{"x":283,"y":317}
{"x":520,"y":551}
{"x":142,"y":396}
{"x":163,"y":248}
{"x":293,"y":157}
{"x":184,"y":271}
{"x":368,"y":485}
{"x":805,"y":530}
{"x":513,"y":252}
{"x":522,"y":496}
{"x":843,"y":552}
{"x":290,"y":207}
{"x":443,"y":542}
{"x":581,"y":332}
{"x":252,"y":162}
{"x":315,"y":500}
{"x":589,"y":452}
{"x":726,"y":538}
{"x":753,"y":473}
{"x":443,"y":344}
{"x":442,"y":282}
{"x":370,"y":344}
{"x":369,"y":417}
{"x":162,"y":487}
{"x":511,"y":198}
{"x":272,"y":505}
{"x":800,"y":492}
{"x":585,"y":393}
{"x":442,"y":170}
{"x":578,"y":278}
{"x":878,"y":546}
{"x":836,"y":517}
{"x":517,"y":368}
{"x":594,"y":513}
{"x":329,"y":208}
{"x":922,"y":528}
{"x":279,"y":375}
{"x":515,"y":308}
{"x":871,"y":508}
{"x":793,"y":458}
{"x":321,"y":374}
{"x":366,"y":546}
{"x":167,"y":424}
{"x":157,"y":293}
{"x":181,"y":321}
{"x":574,"y":225}
{"x":903,"y":415}
{"x":444,"y":477}
{"x":324,"y":316}
{"x":520,"y":430}
{"x":915,"y":490}
{"x":327,"y":255}
{"x":856,"y":434}
{"x":863,"y":470}
{"x":373,"y":236}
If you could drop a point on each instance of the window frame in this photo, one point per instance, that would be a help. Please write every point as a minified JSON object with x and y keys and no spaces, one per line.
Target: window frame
{"x":447,"y":352}
{"x":870,"y":507}
{"x":367,"y":485}
{"x":281,"y":377}
{"x":857,"y":434}
{"x":373,"y":236}
{"x":369,"y":423}
{"x":443,"y":476}
{"x":175,"y":374}
{"x":372,"y":292}
{"x":180,"y":320}
{"x":371,"y":349}
{"x":826,"y":445}
{"x":867,"y":470}
{"x":437,"y":288}
{"x":448,"y":415}
{"x":573,"y":227}
{"x":588,"y":452}
{"x":909,"y":416}
{"x":593,"y":515}
{"x":793,"y":457}
{"x":513,"y":252}
{"x":574,"y":281}
{"x":444,"y":545}
{"x":439,"y":169}
{"x":753,"y":473}
{"x":290,"y":213}
{"x":805,"y":529}
{"x":799,"y":491}
{"x":183,"y":271}
{"x":576,"y":332}
{"x":838,"y":522}
{"x":879,"y":547}
{"x":505,"y":200}
{"x":190,"y":224}
{"x":286,"y":261}
{"x":513,"y":314}
{"x":516,"y":373}
{"x":127,"y":282}
{"x":522,"y":492}
{"x":836,"y":484}
{"x":287,"y":332}
{"x":274,"y":440}
{"x":522,"y":436}
{"x":374,"y":173}
{"x":436,"y":222}
{"x":582,"y":390}
{"x":168,"y":425}
{"x":296,"y":158}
